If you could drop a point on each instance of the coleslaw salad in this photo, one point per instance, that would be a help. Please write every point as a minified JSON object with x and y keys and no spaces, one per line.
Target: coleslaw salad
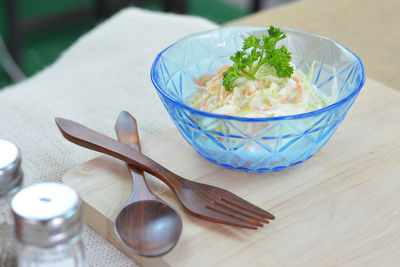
{"x":266,"y":96}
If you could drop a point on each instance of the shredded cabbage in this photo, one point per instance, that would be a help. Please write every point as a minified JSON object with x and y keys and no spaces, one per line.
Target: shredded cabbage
{"x":267,"y":96}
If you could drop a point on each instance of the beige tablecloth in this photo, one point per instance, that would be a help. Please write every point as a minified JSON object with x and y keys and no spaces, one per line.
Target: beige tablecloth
{"x":104,"y":72}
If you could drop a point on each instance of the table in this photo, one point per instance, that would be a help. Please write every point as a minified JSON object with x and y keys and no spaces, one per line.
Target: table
{"x":331,"y":210}
{"x":370,"y":28}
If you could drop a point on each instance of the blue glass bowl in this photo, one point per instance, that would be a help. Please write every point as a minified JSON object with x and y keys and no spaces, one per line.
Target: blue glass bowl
{"x":256,"y":144}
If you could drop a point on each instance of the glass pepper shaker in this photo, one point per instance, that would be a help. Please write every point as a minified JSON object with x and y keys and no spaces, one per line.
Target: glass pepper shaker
{"x":11,"y":177}
{"x":48,"y":225}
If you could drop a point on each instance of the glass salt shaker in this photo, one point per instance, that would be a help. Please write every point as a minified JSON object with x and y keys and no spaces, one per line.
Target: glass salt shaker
{"x":11,"y":177}
{"x":48,"y":225}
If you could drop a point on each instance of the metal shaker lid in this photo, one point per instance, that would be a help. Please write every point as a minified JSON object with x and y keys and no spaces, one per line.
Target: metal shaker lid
{"x":10,"y":167}
{"x":47,"y":214}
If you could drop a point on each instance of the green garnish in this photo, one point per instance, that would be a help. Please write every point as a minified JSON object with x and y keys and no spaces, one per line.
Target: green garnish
{"x":246,"y":64}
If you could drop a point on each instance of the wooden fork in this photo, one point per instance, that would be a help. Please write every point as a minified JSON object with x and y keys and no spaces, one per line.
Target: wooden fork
{"x":204,"y":201}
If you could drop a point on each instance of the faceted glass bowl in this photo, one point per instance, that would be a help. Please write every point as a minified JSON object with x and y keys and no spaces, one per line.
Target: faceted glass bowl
{"x":256,"y":144}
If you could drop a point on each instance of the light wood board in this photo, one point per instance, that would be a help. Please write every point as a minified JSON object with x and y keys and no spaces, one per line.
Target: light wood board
{"x":341,"y":207}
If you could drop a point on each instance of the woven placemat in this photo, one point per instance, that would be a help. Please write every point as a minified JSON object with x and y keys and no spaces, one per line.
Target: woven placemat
{"x":104,"y":72}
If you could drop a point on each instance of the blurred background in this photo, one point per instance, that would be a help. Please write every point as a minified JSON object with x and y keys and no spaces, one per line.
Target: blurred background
{"x":34,"y":33}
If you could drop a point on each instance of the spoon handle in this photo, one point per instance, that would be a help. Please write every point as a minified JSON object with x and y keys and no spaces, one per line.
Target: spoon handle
{"x":126,"y":129}
{"x":85,"y":137}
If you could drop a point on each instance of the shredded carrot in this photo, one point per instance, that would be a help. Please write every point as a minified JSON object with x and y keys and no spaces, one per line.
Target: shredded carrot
{"x":300,"y":94}
{"x":203,"y":104}
{"x":259,"y":87}
{"x":214,"y":87}
{"x":297,"y":79}
{"x":202,"y":80}
{"x":222,"y":69}
{"x":283,"y":101}
{"x":197,"y":82}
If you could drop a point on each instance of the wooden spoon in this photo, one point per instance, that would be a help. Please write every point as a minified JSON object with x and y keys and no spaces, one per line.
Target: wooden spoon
{"x":146,"y":224}
{"x":204,"y":201}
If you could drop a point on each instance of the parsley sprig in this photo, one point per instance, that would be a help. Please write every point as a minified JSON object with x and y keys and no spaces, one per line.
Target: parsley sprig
{"x":247,"y":62}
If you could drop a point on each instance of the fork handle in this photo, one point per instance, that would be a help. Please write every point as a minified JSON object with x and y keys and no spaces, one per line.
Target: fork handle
{"x":85,"y":137}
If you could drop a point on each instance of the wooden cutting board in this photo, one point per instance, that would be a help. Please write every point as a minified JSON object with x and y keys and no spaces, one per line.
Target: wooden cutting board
{"x":341,"y":207}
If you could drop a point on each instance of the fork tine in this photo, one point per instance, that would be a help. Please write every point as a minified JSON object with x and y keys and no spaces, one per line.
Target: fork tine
{"x":245,"y":205}
{"x":235,"y":216}
{"x":241,"y":212}
{"x":215,"y":216}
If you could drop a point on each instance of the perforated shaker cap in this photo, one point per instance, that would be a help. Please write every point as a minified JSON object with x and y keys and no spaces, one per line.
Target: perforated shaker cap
{"x":47,"y":214}
{"x":11,"y":174}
